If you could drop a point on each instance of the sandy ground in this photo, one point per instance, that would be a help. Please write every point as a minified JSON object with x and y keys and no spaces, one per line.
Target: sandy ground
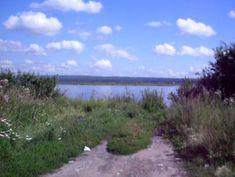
{"x":158,"y":160}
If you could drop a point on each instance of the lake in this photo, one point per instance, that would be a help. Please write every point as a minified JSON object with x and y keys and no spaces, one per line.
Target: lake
{"x":87,"y":92}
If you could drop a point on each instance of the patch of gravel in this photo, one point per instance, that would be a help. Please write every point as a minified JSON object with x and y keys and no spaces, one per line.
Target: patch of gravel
{"x":158,"y":160}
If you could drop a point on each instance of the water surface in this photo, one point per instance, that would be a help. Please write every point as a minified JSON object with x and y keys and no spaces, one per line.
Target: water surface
{"x":87,"y":92}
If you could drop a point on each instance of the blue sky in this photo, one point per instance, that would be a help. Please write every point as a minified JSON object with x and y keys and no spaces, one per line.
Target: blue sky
{"x":151,"y":38}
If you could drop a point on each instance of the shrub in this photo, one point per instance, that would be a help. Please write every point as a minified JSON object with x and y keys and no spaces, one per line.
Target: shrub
{"x":206,"y":124}
{"x":221,"y":73}
{"x":152,"y":101}
{"x":39,"y":86}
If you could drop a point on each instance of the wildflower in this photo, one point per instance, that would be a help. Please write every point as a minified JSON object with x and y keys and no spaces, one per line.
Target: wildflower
{"x":231,"y":100}
{"x":4,"y":82}
{"x":59,"y":138}
{"x":48,"y":123}
{"x":1,"y":135}
{"x":27,"y":91}
{"x":6,"y":98}
{"x":28,"y":138}
{"x":223,"y":171}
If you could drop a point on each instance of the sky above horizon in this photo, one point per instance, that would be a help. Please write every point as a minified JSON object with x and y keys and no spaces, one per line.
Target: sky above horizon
{"x":151,"y":38}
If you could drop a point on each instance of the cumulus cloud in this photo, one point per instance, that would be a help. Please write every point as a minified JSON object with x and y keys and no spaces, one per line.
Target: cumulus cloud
{"x":6,"y":63}
{"x":35,"y":49}
{"x":105,"y":30}
{"x":69,"y":64}
{"x":103,"y":64}
{"x":34,"y":22}
{"x":200,"y":51}
{"x":16,"y":46}
{"x":75,"y":46}
{"x":231,"y":14}
{"x":70,"y":5}
{"x":115,"y":52}
{"x":189,"y":26}
{"x":10,"y":46}
{"x":165,"y":49}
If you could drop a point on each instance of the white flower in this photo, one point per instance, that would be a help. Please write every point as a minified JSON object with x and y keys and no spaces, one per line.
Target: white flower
{"x":48,"y":123}
{"x":28,"y":138}
{"x":223,"y":171}
{"x":6,"y":98}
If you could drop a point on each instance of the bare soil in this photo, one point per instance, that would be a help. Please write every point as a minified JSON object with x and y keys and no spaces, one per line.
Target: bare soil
{"x":158,"y":160}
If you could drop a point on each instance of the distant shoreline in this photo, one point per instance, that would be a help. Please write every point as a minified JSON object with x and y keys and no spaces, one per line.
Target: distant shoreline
{"x":118,"y":84}
{"x":115,"y":80}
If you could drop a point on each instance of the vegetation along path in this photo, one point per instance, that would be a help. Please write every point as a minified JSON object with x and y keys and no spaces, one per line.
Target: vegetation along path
{"x":158,"y":160}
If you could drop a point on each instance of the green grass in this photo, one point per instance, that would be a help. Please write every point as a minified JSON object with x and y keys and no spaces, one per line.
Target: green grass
{"x":47,"y":132}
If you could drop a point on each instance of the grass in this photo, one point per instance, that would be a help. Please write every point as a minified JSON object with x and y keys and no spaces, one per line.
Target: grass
{"x":202,"y":129}
{"x":40,"y":134}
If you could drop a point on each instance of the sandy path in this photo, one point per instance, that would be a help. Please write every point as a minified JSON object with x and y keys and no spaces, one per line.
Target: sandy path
{"x":156,"y":161}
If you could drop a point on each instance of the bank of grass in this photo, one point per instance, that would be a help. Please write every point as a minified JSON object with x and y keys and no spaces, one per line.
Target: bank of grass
{"x":202,"y":129}
{"x":40,"y":133}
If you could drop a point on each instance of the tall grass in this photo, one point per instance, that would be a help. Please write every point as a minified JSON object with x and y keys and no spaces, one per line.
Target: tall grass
{"x":203,"y":127}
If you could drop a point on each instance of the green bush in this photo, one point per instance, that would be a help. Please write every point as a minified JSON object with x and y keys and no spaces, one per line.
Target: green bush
{"x":152,"y":101}
{"x":38,"y":86}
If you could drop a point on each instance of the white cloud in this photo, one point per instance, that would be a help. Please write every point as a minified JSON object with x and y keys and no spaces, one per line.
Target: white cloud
{"x":28,"y":61}
{"x":75,"y":46}
{"x":118,"y":28}
{"x":195,"y":28}
{"x":10,"y":46}
{"x":112,"y":51}
{"x":231,"y":14}
{"x":165,"y":49}
{"x":154,"y":24}
{"x":85,"y":34}
{"x":5,"y":63}
{"x":198,"y":69}
{"x":176,"y":74}
{"x":36,"y":68}
{"x":106,"y":30}
{"x":200,"y":51}
{"x":70,"y":5}
{"x":158,"y":23}
{"x":16,"y":46}
{"x":103,"y":64}
{"x":69,"y":64}
{"x":34,"y":22}
{"x":35,"y":49}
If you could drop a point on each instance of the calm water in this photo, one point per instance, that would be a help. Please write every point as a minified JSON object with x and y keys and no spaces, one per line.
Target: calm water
{"x":87,"y":92}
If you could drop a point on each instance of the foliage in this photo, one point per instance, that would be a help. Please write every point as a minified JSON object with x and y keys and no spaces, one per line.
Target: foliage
{"x":221,"y":73}
{"x":38,"y":86}
{"x":201,"y":126}
{"x":38,"y":135}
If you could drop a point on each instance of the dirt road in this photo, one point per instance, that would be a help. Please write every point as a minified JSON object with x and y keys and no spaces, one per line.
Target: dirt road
{"x":158,"y":160}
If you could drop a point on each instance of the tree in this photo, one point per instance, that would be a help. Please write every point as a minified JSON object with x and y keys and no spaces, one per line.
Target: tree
{"x":221,"y":73}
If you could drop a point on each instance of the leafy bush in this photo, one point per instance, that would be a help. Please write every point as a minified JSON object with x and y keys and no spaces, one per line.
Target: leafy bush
{"x":221,"y":73}
{"x":39,"y":86}
{"x":152,"y":101}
